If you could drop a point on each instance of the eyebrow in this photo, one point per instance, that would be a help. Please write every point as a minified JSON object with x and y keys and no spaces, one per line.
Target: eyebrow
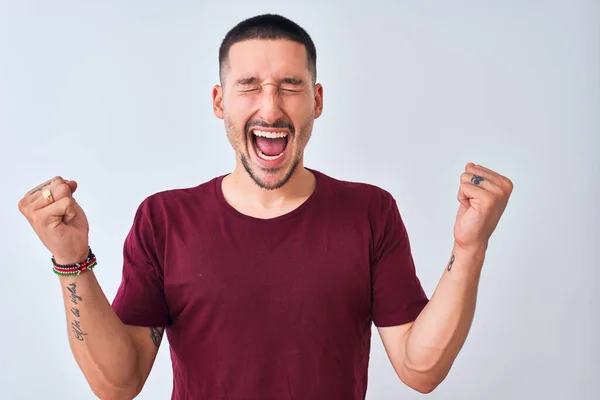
{"x":292,"y":81}
{"x":289,"y":80}
{"x":247,"y":81}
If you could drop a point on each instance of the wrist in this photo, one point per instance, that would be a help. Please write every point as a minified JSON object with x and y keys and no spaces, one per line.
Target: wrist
{"x":473,"y":252}
{"x":76,"y":268}
{"x":76,"y":258}
{"x":470,"y":260}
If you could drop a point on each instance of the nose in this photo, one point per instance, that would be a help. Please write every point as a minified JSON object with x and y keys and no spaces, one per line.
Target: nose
{"x":270,"y":104}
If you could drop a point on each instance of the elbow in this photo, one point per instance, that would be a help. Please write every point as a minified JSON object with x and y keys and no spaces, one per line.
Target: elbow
{"x":106,"y":390}
{"x":423,"y":381}
{"x":114,"y":393}
{"x":425,"y":388}
{"x":422,"y":385}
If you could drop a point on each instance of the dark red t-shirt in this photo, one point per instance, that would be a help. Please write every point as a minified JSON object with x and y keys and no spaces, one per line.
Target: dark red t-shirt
{"x":271,"y":309}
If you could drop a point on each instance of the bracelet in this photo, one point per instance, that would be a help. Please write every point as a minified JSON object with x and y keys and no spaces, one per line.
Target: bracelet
{"x":77,"y":268}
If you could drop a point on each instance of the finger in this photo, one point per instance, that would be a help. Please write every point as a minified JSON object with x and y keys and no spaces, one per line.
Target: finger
{"x":72,"y":184}
{"x":500,"y":180}
{"x":26,"y":202}
{"x":485,"y":173}
{"x":63,"y":207}
{"x":468,"y":191}
{"x":58,"y":192}
{"x":468,"y":180}
{"x":33,"y":195}
{"x":38,"y":189}
{"x":475,"y":179}
{"x":70,"y":212}
{"x":462,"y":199}
{"x":489,"y":171}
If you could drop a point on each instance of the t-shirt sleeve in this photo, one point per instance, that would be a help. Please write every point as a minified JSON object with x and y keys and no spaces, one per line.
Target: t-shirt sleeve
{"x":140,"y":299}
{"x":398,"y":296}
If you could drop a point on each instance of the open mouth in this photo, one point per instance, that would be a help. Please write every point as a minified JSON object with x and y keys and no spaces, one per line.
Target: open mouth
{"x":269,"y":145}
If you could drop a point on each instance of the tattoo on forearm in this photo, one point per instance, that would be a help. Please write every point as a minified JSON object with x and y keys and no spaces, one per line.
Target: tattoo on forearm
{"x":72,"y":288}
{"x":156,"y":336}
{"x":451,"y":262}
{"x":78,"y":332}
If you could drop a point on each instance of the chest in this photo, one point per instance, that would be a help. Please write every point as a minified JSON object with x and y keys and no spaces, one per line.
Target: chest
{"x":241,"y":275}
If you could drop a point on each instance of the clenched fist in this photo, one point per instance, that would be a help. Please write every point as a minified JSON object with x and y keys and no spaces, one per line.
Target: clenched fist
{"x":57,"y":219}
{"x":483,"y":195}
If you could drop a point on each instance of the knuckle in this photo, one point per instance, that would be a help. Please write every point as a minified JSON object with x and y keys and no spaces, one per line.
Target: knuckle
{"x":497,"y":191}
{"x":34,"y":218}
{"x":488,"y":202}
{"x":21,"y":206}
{"x":68,"y":201}
{"x":61,"y":190}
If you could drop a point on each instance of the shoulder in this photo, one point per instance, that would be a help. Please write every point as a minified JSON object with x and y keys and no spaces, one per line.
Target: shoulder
{"x":360,"y":194}
{"x":173,"y":199}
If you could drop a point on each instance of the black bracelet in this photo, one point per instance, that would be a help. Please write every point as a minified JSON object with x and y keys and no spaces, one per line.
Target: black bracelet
{"x":76,"y":265}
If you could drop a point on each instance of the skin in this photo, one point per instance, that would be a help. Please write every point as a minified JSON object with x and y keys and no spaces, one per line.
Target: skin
{"x":421,"y":352}
{"x":116,"y":359}
{"x":267,"y":83}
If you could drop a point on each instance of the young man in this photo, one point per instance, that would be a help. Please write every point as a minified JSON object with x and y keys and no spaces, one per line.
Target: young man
{"x":267,"y":279}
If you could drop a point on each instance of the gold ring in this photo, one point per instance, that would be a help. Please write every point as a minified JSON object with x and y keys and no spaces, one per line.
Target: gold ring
{"x":48,"y":195}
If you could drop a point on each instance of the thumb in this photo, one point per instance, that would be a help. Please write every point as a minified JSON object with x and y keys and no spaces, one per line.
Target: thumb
{"x":70,"y":212}
{"x":469,"y":194}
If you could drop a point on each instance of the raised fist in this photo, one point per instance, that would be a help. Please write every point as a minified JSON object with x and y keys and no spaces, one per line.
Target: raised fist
{"x":57,"y":219}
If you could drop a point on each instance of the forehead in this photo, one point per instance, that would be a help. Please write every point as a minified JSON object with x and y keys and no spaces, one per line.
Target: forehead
{"x":267,"y":59}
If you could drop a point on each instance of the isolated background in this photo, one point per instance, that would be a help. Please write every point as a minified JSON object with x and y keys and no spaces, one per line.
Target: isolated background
{"x":117,"y":95}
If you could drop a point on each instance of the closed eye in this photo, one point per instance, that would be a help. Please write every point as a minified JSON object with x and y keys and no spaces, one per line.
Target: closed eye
{"x":249,"y":88}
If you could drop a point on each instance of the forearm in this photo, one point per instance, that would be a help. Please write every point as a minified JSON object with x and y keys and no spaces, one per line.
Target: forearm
{"x":100,"y":343}
{"x":440,"y":331}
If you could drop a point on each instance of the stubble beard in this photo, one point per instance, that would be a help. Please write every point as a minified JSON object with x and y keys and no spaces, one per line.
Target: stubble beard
{"x":238,"y":142}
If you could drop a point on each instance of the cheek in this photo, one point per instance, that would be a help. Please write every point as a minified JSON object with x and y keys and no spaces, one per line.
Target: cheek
{"x":234,"y":121}
{"x":241,"y":110}
{"x":299,"y":110}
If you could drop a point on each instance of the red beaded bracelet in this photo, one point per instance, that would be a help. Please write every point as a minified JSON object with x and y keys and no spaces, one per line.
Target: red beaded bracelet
{"x":77,"y":268}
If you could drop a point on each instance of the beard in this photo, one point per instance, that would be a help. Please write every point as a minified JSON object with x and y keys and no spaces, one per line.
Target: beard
{"x":281,"y":175}
{"x":272,"y":186}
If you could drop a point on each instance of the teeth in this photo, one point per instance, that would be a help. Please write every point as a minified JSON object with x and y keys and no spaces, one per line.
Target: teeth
{"x":270,"y":135}
{"x":266,"y":157}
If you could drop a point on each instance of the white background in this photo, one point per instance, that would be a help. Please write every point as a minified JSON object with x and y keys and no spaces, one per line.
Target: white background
{"x":117,"y":95}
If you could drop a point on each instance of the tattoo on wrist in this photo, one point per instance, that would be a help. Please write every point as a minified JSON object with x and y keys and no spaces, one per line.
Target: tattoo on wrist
{"x":156,"y":336}
{"x":451,"y":262}
{"x":78,"y":332}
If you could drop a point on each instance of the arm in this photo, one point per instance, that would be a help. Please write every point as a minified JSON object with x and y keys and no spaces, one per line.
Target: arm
{"x":422,"y":352}
{"x":115,"y":359}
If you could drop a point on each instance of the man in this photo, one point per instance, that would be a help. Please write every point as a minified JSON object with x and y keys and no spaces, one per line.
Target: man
{"x":267,"y":279}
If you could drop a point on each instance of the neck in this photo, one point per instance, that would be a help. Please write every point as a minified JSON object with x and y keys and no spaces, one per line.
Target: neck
{"x":246,"y":196}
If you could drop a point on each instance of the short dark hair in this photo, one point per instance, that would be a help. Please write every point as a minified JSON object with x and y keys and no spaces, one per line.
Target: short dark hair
{"x":269,"y":26}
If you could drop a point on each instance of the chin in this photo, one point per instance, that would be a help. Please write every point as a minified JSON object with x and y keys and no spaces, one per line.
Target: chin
{"x":269,"y":178}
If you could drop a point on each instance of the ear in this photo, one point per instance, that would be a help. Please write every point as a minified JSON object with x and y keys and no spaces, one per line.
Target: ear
{"x":318,"y":100}
{"x":217,"y":95}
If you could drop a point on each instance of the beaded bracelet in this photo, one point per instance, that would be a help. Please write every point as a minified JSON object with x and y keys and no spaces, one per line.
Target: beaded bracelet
{"x":77,"y":268}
